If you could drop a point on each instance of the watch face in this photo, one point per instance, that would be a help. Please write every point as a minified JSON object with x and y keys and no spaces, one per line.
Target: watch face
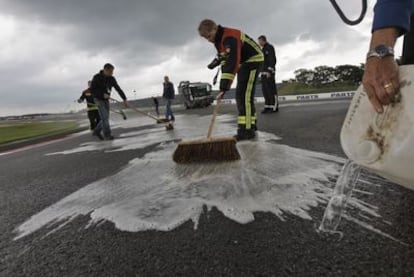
{"x":382,"y":50}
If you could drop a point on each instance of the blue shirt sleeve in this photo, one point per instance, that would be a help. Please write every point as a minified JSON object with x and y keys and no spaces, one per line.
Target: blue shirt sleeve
{"x":393,"y":13}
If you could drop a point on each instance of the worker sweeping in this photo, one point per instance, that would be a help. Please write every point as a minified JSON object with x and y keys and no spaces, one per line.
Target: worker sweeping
{"x":101,"y":86}
{"x":93,"y":113}
{"x":237,"y":54}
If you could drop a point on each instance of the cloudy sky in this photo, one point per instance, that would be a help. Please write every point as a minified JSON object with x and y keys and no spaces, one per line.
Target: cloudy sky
{"x":50,"y":48}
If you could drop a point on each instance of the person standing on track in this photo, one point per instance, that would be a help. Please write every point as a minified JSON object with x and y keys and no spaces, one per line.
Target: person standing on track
{"x":237,"y":54}
{"x":102,"y":84}
{"x":169,"y":95}
{"x":267,"y":75}
{"x":93,"y":112}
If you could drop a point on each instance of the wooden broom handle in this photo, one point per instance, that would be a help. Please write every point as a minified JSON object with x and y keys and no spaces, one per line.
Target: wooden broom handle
{"x":213,"y":119}
{"x":135,"y":109}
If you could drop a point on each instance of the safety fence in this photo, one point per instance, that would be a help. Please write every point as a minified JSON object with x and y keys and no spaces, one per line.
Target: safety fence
{"x":301,"y":97}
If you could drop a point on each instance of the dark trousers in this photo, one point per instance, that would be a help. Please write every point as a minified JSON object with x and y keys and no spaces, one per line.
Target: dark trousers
{"x":269,"y":91}
{"x":408,"y":47}
{"x":103,"y":125}
{"x":94,"y":118}
{"x":157,"y":110}
{"x":168,"y":111}
{"x":246,"y":82}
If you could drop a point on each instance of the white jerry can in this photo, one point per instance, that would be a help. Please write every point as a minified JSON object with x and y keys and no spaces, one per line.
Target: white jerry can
{"x":383,"y":143}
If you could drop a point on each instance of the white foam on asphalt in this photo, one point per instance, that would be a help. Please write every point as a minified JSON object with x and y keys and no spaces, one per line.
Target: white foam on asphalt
{"x":154,"y":193}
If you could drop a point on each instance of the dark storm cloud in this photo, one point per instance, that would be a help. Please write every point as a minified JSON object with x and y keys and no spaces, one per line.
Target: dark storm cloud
{"x":138,"y":35}
{"x":133,"y":24}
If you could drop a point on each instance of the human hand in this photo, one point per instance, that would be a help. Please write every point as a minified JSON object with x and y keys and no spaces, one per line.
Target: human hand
{"x":381,"y":81}
{"x":220,"y":96}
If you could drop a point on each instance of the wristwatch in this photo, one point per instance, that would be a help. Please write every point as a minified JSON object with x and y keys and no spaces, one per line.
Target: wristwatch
{"x":381,"y":51}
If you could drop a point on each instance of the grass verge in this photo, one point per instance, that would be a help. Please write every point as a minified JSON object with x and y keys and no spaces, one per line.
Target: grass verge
{"x":15,"y":131}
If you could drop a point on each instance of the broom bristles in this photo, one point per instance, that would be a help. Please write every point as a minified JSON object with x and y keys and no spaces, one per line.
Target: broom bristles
{"x":211,"y":150}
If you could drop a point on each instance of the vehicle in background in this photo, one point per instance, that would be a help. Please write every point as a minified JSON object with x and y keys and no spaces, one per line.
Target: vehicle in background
{"x":196,"y":95}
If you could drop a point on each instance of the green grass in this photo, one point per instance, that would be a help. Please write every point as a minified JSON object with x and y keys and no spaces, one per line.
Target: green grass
{"x":10,"y":132}
{"x":300,"y":88}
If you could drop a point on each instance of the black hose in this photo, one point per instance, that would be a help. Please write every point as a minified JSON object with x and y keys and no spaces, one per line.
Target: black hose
{"x":346,"y":19}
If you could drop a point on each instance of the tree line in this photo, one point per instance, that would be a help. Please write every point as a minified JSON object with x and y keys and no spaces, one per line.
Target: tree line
{"x":324,"y":75}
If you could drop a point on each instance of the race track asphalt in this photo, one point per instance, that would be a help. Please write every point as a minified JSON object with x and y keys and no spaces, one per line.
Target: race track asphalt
{"x":31,"y":181}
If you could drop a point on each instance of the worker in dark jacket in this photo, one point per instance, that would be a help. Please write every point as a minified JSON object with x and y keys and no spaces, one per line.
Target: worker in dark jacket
{"x":267,"y":75}
{"x":391,"y":20}
{"x":102,"y":84}
{"x":93,"y":112}
{"x":237,"y":54}
{"x":169,"y":95}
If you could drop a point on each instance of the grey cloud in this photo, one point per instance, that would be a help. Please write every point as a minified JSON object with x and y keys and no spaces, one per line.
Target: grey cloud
{"x":137,"y":35}
{"x":173,"y":23}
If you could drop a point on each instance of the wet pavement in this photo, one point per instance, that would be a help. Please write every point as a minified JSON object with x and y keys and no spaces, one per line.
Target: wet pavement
{"x":79,"y":207}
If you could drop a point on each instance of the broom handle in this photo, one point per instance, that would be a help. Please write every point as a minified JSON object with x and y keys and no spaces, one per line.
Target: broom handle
{"x":135,"y":109}
{"x":213,"y":119}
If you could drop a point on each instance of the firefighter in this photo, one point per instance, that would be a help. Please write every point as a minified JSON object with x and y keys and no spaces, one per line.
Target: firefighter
{"x":93,"y":113}
{"x":267,"y":75}
{"x":237,"y":54}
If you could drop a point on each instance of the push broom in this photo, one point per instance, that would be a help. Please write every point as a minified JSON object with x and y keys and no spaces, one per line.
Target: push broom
{"x":168,"y":126}
{"x":208,"y":149}
{"x":120,"y":111}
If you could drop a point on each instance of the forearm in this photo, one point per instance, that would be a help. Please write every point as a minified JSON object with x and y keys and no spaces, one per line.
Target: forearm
{"x":120,"y":91}
{"x":386,"y":36}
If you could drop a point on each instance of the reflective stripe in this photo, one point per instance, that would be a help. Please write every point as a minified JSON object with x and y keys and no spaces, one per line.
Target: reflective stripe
{"x":257,"y":58}
{"x":92,"y":109}
{"x":247,"y":100}
{"x":228,"y":76}
{"x":223,"y":56}
{"x":242,"y":120}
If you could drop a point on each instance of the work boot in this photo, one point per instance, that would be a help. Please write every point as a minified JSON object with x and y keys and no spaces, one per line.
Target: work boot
{"x":266,"y":110}
{"x":110,"y":137}
{"x":243,"y":134}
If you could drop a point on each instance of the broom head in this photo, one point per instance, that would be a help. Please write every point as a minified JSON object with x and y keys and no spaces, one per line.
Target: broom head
{"x":162,"y":120}
{"x":207,"y":150}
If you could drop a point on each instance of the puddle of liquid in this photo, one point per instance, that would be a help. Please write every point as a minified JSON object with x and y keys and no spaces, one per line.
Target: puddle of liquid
{"x":154,"y":193}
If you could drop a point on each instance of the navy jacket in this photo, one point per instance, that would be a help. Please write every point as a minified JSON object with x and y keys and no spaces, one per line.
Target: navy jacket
{"x":393,"y":13}
{"x":169,"y":92}
{"x":102,"y":84}
{"x":269,"y":64}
